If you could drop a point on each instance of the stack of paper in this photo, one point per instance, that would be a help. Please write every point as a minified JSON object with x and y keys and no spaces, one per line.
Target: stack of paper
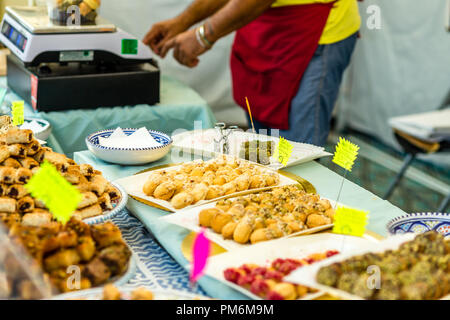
{"x":431,"y":126}
{"x":139,"y":139}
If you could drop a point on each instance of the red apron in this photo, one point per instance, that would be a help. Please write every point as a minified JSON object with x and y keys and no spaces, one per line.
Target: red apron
{"x":270,"y":56}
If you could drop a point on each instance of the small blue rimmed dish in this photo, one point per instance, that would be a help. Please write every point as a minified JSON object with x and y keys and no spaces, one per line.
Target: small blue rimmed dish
{"x":129,"y":156}
{"x":420,"y":223}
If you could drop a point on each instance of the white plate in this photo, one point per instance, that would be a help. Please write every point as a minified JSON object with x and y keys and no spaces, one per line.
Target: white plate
{"x":118,"y":205}
{"x":159,"y":294}
{"x":295,"y":248}
{"x":201,"y":142}
{"x":134,"y":184}
{"x":307,"y":275}
{"x":188,"y":219}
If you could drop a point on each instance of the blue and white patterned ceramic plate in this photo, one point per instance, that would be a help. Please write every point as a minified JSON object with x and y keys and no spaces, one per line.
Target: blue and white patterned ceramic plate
{"x":158,"y":294}
{"x":420,"y":223}
{"x":118,"y":205}
{"x":129,"y":156}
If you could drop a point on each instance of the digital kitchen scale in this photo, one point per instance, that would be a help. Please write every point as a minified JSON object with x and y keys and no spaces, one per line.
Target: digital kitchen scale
{"x":58,"y":67}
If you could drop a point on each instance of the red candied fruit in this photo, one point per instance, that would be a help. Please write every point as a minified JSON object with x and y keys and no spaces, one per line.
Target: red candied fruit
{"x":331,"y":253}
{"x":259,"y":287}
{"x":245,"y":280}
{"x":232,"y":274}
{"x":287,"y":267}
{"x":260,"y":271}
{"x":247,"y":268}
{"x":273,"y":274}
{"x":273,"y":295}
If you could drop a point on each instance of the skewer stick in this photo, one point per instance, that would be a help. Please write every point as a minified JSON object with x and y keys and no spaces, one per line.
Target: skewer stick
{"x":250,"y":114}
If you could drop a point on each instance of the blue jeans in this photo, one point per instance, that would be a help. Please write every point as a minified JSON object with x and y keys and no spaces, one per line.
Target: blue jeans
{"x":312,"y":106}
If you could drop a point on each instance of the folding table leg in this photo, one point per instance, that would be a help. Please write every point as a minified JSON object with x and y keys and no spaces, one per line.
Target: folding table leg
{"x":444,"y":204}
{"x":406,"y":163}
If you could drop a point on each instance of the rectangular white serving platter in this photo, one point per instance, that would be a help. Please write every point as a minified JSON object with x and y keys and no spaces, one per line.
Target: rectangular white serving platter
{"x":201,"y":142}
{"x":307,"y":275}
{"x":296,"y":248}
{"x":188,"y":219}
{"x":134,"y":184}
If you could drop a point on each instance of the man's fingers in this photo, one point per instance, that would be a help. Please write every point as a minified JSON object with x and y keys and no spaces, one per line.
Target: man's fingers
{"x":193,"y":63}
{"x":166,"y":47}
{"x":154,"y":33}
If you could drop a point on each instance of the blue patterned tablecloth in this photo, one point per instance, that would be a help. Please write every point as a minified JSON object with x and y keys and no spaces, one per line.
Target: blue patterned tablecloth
{"x":155,"y":267}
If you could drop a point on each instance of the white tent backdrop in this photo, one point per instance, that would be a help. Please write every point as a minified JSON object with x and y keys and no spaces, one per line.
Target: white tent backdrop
{"x":403,"y":68}
{"x":400,"y":69}
{"x":211,"y":78}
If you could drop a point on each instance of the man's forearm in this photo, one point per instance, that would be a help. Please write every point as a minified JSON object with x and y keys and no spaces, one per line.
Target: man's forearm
{"x":200,"y":10}
{"x":234,"y":15}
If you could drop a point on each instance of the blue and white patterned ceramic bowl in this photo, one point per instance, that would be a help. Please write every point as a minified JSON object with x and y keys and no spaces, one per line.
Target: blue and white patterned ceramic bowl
{"x":129,"y":156}
{"x":420,"y":223}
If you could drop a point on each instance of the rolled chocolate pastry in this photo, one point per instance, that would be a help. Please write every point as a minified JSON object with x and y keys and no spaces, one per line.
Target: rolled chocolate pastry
{"x":98,"y":185}
{"x":39,"y":156}
{"x":86,"y":170}
{"x":105,"y":202}
{"x":91,"y":211}
{"x":7,"y":205}
{"x":89,"y":198}
{"x":22,"y":176}
{"x":11,"y":162}
{"x":33,"y":147}
{"x":36,"y":219}
{"x":114,"y":194}
{"x":16,"y":191}
{"x":39,"y":204}
{"x":17,"y":150}
{"x":15,"y":135}
{"x":29,"y":163}
{"x":4,"y":153}
{"x":25,"y":205}
{"x":57,"y":159}
{"x":73,"y":174}
{"x":3,"y":188}
{"x":5,"y":122}
{"x":7,"y":175}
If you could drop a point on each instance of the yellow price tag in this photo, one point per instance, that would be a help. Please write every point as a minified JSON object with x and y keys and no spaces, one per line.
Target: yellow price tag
{"x":350,"y":221}
{"x":17,"y":113}
{"x":346,"y":154}
{"x":59,"y":196}
{"x":284,"y":151}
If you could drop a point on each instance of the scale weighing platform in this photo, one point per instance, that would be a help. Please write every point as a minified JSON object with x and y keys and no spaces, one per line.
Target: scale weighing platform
{"x":56,"y":67}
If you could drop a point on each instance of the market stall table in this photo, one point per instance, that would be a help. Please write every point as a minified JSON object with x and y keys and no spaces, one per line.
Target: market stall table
{"x":180,"y":107}
{"x":171,"y":237}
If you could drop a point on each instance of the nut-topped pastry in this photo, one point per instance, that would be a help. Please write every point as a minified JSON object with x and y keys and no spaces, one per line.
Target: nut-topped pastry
{"x":207,"y":180}
{"x":267,"y":215}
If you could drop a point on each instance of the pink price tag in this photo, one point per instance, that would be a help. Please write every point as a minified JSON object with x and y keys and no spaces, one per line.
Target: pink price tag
{"x":201,"y":252}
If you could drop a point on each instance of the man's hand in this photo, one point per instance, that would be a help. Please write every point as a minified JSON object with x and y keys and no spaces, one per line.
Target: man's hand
{"x":186,"y":48}
{"x":162,"y":32}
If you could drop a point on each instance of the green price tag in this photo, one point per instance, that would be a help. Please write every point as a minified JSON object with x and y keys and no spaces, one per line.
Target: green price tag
{"x":129,"y":46}
{"x":17,"y":113}
{"x":59,"y":196}
{"x":346,"y":154}
{"x":350,"y":221}
{"x":284,"y":151}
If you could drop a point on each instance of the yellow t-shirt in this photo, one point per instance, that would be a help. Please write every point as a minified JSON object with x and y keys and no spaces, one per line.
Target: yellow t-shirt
{"x":344,"y":19}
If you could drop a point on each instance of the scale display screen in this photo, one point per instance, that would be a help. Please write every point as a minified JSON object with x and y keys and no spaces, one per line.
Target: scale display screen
{"x":18,"y":39}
